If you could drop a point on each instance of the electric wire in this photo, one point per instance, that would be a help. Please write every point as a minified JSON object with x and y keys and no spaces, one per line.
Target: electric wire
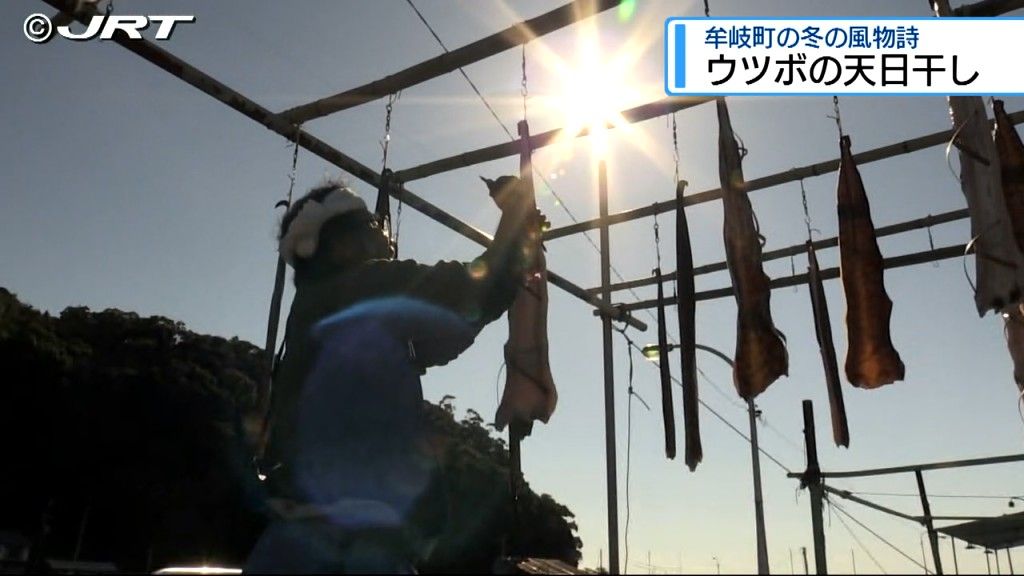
{"x":858,"y":540}
{"x":842,"y":511}
{"x":572,"y":217}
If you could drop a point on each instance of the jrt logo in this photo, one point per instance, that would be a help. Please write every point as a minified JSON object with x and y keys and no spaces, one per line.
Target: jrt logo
{"x":39,"y":29}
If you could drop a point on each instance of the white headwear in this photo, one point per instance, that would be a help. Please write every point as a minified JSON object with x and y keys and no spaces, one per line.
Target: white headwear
{"x":304,"y":230}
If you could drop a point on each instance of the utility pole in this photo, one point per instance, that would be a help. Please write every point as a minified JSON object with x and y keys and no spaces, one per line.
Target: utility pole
{"x":755,"y":459}
{"x":812,"y":481}
{"x":933,"y":537}
{"x":609,"y":374}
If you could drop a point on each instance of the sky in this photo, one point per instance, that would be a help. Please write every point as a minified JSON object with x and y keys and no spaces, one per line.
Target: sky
{"x":123,"y":187}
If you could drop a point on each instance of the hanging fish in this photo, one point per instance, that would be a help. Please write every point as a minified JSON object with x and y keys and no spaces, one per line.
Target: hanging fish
{"x":1010,"y":151}
{"x":871,"y":360}
{"x":999,"y":266}
{"x":686,"y":309}
{"x":823,"y":331}
{"x":1013,"y":318}
{"x":667,"y":413}
{"x":530,"y":392}
{"x":761,"y":356}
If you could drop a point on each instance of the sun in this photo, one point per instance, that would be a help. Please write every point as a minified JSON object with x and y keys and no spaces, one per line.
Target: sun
{"x":595,"y":89}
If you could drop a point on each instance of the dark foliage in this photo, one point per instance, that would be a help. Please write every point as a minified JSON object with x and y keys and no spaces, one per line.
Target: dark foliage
{"x":122,"y":438}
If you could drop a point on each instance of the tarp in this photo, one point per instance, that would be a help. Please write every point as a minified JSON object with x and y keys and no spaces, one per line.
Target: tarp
{"x":991,"y":533}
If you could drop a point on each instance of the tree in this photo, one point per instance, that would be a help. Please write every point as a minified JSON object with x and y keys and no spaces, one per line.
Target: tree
{"x":125,"y":432}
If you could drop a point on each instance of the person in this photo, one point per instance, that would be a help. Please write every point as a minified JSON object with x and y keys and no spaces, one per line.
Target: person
{"x":351,"y":484}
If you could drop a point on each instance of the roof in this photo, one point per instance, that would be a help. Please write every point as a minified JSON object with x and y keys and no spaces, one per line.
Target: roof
{"x":991,"y":533}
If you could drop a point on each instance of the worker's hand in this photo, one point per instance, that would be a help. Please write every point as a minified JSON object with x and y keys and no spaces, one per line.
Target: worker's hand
{"x":506,"y":192}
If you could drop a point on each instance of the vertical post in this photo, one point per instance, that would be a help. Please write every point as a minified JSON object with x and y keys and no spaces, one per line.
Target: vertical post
{"x":812,"y":480}
{"x":999,"y":569}
{"x":803,"y":550}
{"x":952,"y":546}
{"x":762,"y":541}
{"x":1009,"y":559}
{"x":853,"y":561}
{"x":609,"y":376}
{"x":933,"y":536}
{"x":988,"y":563}
{"x":792,"y":568}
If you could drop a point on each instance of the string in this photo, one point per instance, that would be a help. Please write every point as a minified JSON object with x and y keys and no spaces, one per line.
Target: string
{"x":523,"y":89}
{"x":837,"y":117}
{"x":807,"y":212}
{"x":657,"y":241}
{"x":675,"y":147}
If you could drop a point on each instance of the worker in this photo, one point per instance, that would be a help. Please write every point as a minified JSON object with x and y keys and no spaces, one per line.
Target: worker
{"x":351,"y":484}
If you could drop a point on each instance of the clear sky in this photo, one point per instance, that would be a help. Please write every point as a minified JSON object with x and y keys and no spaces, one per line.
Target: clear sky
{"x":121,"y":186}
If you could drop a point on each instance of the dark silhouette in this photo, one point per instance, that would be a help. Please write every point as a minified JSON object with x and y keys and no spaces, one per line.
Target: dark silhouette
{"x":124,"y":433}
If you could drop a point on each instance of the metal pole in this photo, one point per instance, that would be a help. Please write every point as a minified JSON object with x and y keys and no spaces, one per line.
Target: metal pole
{"x":609,"y":378}
{"x":999,"y":569}
{"x":812,"y":480}
{"x":988,"y":563}
{"x":933,"y":536}
{"x":803,"y":550}
{"x":762,"y":541}
{"x":952,"y":544}
{"x":924,"y":557}
{"x":1009,"y":559}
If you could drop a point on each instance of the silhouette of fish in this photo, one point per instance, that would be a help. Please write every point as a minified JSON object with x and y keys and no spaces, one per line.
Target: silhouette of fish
{"x":686,"y":310}
{"x":823,"y":331}
{"x":871,"y":360}
{"x":761,"y":356}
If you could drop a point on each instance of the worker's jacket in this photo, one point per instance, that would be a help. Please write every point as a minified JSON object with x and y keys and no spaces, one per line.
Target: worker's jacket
{"x":347,"y":401}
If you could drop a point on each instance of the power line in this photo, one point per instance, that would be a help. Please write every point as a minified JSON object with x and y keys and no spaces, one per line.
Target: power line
{"x":858,"y":541}
{"x":876,"y":535}
{"x":726,"y":422}
{"x":572,"y":217}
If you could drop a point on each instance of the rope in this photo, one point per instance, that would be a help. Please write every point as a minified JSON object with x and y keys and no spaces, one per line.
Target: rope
{"x":837,"y":117}
{"x":807,"y":211}
{"x":675,"y":147}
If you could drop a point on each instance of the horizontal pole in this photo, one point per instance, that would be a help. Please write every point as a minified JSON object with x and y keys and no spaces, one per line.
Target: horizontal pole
{"x":988,"y":8}
{"x":799,"y":279}
{"x":926,"y":222}
{"x":848,"y":496}
{"x":922,"y":467}
{"x":511,"y":148}
{"x":791,"y":175}
{"x":237,"y":101}
{"x":515,"y":35}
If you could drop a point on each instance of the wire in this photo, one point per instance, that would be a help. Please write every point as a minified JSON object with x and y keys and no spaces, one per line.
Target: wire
{"x":915,"y":495}
{"x":572,"y":216}
{"x":857,"y":540}
{"x":876,"y":535}
{"x":730,"y":425}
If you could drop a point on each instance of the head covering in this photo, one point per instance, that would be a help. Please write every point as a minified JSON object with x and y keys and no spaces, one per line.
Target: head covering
{"x":300,"y":241}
